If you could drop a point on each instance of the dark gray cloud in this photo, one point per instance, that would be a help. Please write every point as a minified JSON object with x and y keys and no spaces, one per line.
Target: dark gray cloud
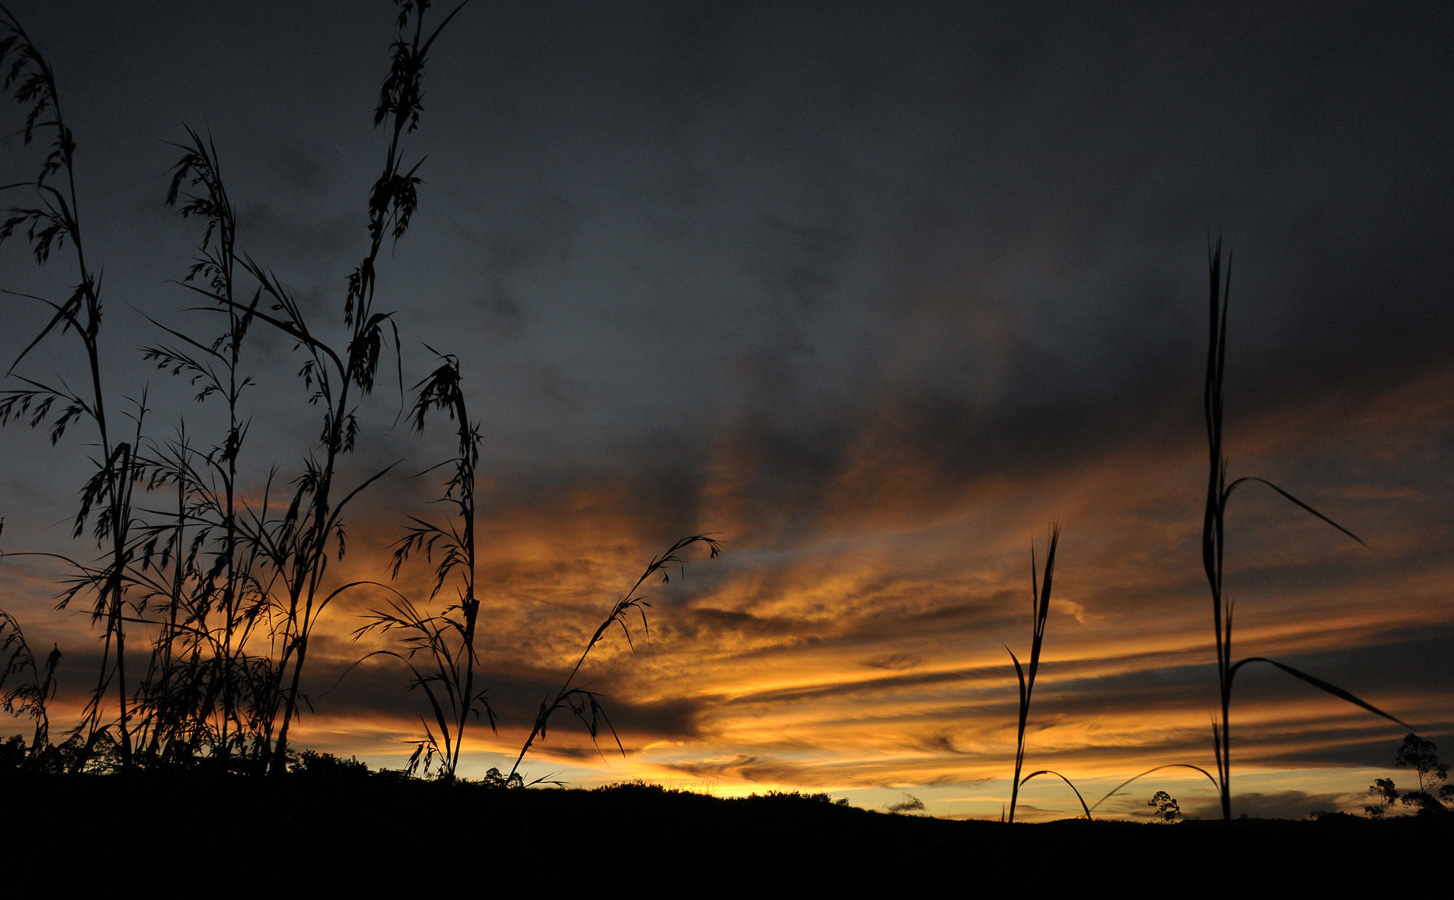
{"x":381,"y":686}
{"x":756,"y":769}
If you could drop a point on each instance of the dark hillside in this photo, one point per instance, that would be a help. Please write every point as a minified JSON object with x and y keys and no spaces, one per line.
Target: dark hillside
{"x":354,"y":827}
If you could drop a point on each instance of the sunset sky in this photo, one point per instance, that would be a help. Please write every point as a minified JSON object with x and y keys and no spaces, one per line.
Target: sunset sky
{"x":872,"y":293}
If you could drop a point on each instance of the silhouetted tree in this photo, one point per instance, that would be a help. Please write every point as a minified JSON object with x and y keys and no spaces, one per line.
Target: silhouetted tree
{"x":1384,"y":794}
{"x":1165,"y":805}
{"x":1423,"y":757}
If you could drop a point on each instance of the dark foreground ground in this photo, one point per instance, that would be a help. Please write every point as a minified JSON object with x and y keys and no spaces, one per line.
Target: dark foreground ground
{"x":324,"y":836}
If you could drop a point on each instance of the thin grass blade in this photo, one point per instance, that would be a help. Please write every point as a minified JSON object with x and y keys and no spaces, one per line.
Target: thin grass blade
{"x":1320,"y":684}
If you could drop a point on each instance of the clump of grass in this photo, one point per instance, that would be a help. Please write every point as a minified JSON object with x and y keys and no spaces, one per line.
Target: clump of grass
{"x":203,"y":577}
{"x":49,"y":221}
{"x":448,"y":638}
{"x":1219,"y":491}
{"x":31,"y":686}
{"x":298,"y":545}
{"x":219,"y":588}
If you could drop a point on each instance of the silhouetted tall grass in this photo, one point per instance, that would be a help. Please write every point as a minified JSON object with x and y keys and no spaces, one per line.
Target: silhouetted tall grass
{"x":299,"y":546}
{"x":1039,"y":614}
{"x":31,"y":685}
{"x":202,"y":575}
{"x":229,"y":594}
{"x":49,"y":219}
{"x":227,"y":584}
{"x":449,"y":637}
{"x":1219,"y":491}
{"x":583,"y":704}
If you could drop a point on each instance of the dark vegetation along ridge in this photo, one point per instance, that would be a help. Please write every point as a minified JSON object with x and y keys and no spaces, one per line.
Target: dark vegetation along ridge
{"x":205,"y":610}
{"x":358,"y":824}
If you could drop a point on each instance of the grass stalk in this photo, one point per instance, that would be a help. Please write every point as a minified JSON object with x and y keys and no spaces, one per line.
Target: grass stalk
{"x":1068,"y":782}
{"x":1039,"y":613}
{"x":585,"y":704}
{"x":198,"y":187}
{"x":28,"y":694}
{"x":1219,"y":491}
{"x":392,"y":204}
{"x":448,"y":638}
{"x":50,"y":221}
{"x":1118,"y":788}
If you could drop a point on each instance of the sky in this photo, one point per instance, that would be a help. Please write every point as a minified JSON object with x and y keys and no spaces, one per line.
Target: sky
{"x":873,"y":295}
